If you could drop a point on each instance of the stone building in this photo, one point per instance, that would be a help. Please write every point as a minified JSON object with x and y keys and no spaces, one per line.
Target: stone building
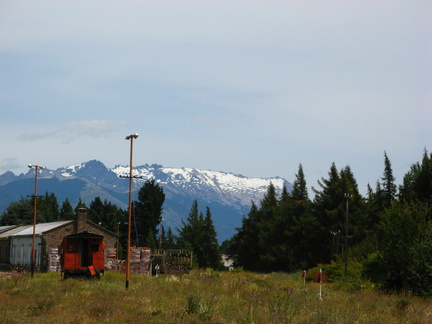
{"x":16,"y":242}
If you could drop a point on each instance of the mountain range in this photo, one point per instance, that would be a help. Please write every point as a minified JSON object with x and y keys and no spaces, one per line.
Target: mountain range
{"x":228,"y":195}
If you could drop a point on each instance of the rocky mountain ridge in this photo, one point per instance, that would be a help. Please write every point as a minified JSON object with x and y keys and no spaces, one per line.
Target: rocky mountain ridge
{"x":228,"y":195}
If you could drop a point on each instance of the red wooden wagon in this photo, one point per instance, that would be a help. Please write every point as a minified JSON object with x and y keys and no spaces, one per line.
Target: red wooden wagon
{"x":82,"y":254}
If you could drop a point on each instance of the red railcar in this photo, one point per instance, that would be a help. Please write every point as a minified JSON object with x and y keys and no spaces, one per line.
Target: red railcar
{"x":82,"y":254}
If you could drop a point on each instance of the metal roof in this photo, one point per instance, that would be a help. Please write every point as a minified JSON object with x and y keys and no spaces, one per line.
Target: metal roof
{"x":7,"y":228}
{"x":84,"y":235}
{"x":14,"y":230}
{"x":28,"y":229}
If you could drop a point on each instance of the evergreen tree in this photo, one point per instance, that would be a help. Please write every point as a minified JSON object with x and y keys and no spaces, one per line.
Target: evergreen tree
{"x":48,"y":208}
{"x":303,"y":226}
{"x":106,"y":214}
{"x":96,"y":210}
{"x":198,"y":234}
{"x":270,"y":227}
{"x":417,"y":183}
{"x":300,"y":192}
{"x":243,"y":247}
{"x":210,"y":245}
{"x":270,"y":201}
{"x":374,"y":209}
{"x":18,"y":213}
{"x":66,"y":211}
{"x":79,"y":205}
{"x":171,"y":240}
{"x":148,"y":213}
{"x":330,"y":205}
{"x":389,"y":187}
{"x":285,"y":196}
{"x":280,"y":236}
{"x":190,"y":232}
{"x":403,"y":262}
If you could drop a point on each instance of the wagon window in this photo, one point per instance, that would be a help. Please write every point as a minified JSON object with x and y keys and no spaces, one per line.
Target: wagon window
{"x":94,"y":247}
{"x":72,"y":248}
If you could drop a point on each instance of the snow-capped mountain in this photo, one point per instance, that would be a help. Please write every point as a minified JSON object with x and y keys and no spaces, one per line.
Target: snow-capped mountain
{"x":228,"y":195}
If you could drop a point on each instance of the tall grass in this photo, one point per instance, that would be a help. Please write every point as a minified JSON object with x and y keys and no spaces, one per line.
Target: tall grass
{"x":199,"y":297}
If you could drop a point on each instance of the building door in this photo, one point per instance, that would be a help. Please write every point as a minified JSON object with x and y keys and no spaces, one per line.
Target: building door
{"x":84,"y":253}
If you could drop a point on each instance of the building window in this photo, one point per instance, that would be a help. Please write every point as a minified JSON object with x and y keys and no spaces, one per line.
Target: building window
{"x":72,"y":248}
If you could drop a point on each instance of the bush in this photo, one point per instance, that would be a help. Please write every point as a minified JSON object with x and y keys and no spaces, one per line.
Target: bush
{"x":335,"y":272}
{"x":403,"y":263}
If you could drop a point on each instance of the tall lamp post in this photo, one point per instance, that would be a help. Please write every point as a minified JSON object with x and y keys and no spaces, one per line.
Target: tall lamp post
{"x":128,"y":252}
{"x":35,"y":197}
{"x":347,"y":197}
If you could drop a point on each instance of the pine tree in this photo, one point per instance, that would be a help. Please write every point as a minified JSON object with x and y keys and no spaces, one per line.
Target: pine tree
{"x":329,"y":206}
{"x":48,"y":208}
{"x":210,"y":246}
{"x":389,"y":187}
{"x":190,"y":232}
{"x":417,"y":183}
{"x":198,"y":234}
{"x":300,"y":192}
{"x":303,"y":226}
{"x":66,"y":211}
{"x":329,"y":209}
{"x":270,"y":222}
{"x":148,"y":213}
{"x":18,"y":213}
{"x":270,"y":200}
{"x":96,"y":210}
{"x":79,"y":205}
{"x":171,"y":240}
{"x":243,"y":247}
{"x":403,"y":263}
{"x":106,"y":214}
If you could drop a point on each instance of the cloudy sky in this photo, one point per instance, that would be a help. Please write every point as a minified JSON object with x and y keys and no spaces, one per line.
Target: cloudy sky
{"x":249,"y":87}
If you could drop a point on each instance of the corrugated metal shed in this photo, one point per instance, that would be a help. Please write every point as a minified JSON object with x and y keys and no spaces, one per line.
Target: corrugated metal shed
{"x":15,"y":230}
{"x":41,"y":228}
{"x":7,"y":228}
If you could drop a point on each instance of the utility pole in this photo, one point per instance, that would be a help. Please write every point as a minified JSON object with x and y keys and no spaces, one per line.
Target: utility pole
{"x":347,"y":197}
{"x":131,"y":138}
{"x":35,"y":197}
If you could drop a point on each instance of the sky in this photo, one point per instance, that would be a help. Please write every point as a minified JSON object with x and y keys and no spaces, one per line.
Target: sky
{"x":248,"y":87}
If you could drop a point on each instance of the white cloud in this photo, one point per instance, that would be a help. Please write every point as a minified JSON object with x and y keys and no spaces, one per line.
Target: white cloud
{"x":254,"y":87}
{"x":9,"y":163}
{"x":70,"y":131}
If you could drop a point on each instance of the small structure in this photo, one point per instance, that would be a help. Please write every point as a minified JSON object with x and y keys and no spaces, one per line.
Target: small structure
{"x":172,"y":260}
{"x":139,"y":262}
{"x":5,"y":232}
{"x":16,"y":241}
{"x":82,"y":254}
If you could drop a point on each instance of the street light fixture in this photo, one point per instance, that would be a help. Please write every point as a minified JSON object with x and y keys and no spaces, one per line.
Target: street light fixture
{"x":128,"y":252}
{"x":35,"y":197}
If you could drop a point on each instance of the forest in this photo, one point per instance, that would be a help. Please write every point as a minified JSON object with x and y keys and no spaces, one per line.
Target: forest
{"x":384,"y":237}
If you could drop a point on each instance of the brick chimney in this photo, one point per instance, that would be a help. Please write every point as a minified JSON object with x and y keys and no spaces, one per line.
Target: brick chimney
{"x":81,"y":220}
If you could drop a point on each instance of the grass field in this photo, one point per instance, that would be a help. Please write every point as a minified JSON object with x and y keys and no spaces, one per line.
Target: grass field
{"x":199,"y":297}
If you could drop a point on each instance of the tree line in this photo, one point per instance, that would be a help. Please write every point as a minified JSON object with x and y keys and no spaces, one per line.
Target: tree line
{"x":388,"y":231}
{"x":196,"y":233}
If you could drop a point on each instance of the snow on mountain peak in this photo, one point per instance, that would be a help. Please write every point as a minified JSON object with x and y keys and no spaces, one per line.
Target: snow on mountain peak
{"x":239,"y":187}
